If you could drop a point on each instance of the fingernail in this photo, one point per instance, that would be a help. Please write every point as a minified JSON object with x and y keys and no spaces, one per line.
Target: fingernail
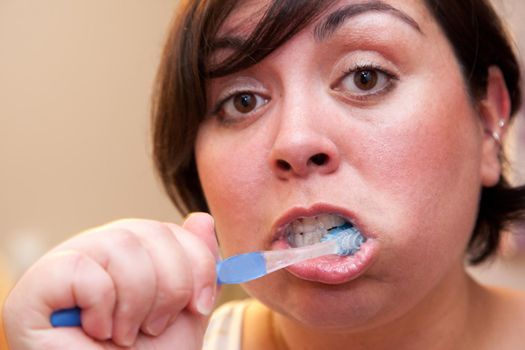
{"x":109,"y":330}
{"x":158,"y":325}
{"x":129,"y":340}
{"x":108,"y":334}
{"x":206,"y":300}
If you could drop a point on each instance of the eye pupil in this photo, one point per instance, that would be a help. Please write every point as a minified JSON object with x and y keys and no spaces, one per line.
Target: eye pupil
{"x":245,"y":103}
{"x":365,"y":79}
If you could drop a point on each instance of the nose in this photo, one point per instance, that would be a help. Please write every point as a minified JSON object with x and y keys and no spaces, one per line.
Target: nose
{"x":300,"y":149}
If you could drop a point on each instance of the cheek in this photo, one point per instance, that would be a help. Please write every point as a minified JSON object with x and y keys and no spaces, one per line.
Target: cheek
{"x":234,"y":178}
{"x":426,"y":168}
{"x":431,"y":149}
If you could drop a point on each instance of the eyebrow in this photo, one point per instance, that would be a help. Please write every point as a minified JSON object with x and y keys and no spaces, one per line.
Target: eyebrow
{"x":337,"y":18}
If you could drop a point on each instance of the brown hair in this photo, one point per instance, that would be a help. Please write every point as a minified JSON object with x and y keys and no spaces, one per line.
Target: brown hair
{"x":472,"y":27}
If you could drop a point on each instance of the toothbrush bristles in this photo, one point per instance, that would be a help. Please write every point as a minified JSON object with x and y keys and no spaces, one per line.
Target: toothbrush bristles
{"x":349,"y":239}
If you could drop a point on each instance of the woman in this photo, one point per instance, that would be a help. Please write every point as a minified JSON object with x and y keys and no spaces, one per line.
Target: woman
{"x":282,"y":119}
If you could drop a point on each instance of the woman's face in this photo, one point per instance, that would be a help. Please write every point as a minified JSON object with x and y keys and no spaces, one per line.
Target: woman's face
{"x":367,"y":121}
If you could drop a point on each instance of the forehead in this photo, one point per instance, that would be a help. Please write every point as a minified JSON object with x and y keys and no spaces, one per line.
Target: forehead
{"x":247,"y":13}
{"x":245,"y":16}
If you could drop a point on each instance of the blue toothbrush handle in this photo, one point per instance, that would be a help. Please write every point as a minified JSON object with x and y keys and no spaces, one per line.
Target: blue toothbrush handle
{"x":241,"y":268}
{"x":66,"y":318}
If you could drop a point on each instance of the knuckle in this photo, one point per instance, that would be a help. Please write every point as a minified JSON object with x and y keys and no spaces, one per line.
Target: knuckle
{"x":159,"y":232}
{"x":55,"y":263}
{"x":176,"y":289}
{"x":107,"y":293}
{"x":181,"y":297}
{"x":175,"y":293}
{"x":159,"y":227}
{"x":131,"y":304}
{"x":144,"y":228}
{"x":124,"y":238}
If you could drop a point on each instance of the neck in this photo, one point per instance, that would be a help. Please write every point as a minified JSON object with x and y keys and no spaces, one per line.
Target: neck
{"x":440,"y":321}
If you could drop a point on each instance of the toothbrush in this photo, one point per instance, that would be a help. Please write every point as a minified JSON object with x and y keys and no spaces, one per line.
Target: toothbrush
{"x":342,"y":240}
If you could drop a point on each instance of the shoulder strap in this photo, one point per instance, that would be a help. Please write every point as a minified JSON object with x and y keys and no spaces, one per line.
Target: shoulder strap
{"x":225,"y":327}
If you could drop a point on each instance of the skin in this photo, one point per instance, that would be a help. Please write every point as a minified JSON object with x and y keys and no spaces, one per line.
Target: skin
{"x":127,"y":276}
{"x":407,"y":163}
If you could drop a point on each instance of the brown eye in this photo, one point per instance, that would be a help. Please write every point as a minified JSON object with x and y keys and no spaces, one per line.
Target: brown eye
{"x":245,"y":103}
{"x":365,"y":79}
{"x":365,"y":82}
{"x":241,"y":105}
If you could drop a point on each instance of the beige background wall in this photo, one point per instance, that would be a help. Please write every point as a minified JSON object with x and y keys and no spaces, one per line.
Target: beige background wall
{"x":75,"y":82}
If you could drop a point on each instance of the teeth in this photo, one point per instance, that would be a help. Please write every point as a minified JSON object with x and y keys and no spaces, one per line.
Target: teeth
{"x":310,"y":230}
{"x":297,"y":239}
{"x":297,"y":226}
{"x":330,"y":221}
{"x":313,"y":237}
{"x":309,"y":224}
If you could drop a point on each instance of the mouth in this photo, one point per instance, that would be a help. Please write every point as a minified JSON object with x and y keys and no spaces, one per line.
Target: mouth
{"x":330,"y":269}
{"x":306,"y":231}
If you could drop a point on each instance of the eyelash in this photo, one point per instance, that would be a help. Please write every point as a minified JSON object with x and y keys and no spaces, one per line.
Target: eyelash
{"x":219,"y":105}
{"x":391,"y":77}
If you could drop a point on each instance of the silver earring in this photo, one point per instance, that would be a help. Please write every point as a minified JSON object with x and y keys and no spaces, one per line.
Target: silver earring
{"x":496,"y":137}
{"x":495,"y":134}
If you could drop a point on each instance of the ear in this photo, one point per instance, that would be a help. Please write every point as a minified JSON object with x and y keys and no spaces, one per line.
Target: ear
{"x":494,"y":112}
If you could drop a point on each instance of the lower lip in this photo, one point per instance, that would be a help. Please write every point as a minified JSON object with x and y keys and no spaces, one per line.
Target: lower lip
{"x":332,"y":269}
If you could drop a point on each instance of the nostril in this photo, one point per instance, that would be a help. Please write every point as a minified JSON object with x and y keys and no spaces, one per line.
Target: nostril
{"x":283,"y":165}
{"x":319,"y":159}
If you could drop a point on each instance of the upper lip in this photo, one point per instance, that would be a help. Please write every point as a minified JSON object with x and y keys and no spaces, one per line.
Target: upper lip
{"x":278,"y":228}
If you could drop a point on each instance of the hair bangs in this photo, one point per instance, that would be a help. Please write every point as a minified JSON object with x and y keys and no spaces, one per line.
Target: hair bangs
{"x":280,"y":21}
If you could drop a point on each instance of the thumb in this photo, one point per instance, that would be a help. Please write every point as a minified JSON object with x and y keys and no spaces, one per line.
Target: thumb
{"x":202,"y":225}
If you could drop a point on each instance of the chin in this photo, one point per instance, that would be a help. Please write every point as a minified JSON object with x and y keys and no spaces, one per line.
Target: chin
{"x":355,"y":305}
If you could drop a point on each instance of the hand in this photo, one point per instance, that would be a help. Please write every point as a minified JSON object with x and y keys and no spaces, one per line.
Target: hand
{"x":138,"y":282}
